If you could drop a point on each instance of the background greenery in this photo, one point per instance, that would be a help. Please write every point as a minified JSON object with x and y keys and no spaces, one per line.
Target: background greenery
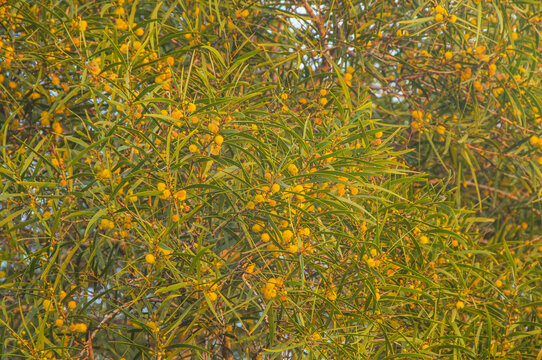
{"x":270,"y":180}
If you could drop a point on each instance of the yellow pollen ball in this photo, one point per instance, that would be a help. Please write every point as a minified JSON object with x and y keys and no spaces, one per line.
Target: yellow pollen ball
{"x":83,"y":25}
{"x":459,"y":305}
{"x":292,"y":169}
{"x":81,"y":328}
{"x":287,"y":235}
{"x":150,"y":258}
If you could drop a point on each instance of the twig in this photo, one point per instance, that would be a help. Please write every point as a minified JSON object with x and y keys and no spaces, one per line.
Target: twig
{"x":490,"y":188}
{"x":322,"y":30}
{"x":88,"y":347}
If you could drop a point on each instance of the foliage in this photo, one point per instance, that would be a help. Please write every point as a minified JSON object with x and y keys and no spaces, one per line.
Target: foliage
{"x":270,"y":180}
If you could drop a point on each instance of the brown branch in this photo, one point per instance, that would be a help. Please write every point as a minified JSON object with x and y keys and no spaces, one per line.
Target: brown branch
{"x":319,"y":21}
{"x":88,"y":348}
{"x":490,"y":188}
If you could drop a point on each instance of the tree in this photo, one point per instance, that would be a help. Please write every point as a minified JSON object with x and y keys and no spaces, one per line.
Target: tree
{"x":270,"y":180}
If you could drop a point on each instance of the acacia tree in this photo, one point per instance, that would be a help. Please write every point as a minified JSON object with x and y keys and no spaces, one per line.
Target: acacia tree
{"x":270,"y":180}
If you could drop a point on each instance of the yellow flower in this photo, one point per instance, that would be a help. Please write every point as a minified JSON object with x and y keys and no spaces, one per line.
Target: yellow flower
{"x":292,"y":169}
{"x":231,"y":25}
{"x":139,"y":31}
{"x":81,"y":328}
{"x":287,"y":235}
{"x":331,"y":295}
{"x":212,"y":296}
{"x":150,"y":258}
{"x":47,"y":304}
{"x":166,"y":252}
{"x":424,"y":240}
{"x":249,"y":269}
{"x":57,"y":128}
{"x":121,"y":24}
{"x":440,"y":10}
{"x":165,"y":194}
{"x":417,"y":114}
{"x":459,"y":305}
{"x":180,"y":195}
{"x":161,"y":186}
{"x":83,"y":25}
{"x":492,"y":69}
{"x":293,"y":248}
{"x":270,"y":289}
{"x":269,"y":293}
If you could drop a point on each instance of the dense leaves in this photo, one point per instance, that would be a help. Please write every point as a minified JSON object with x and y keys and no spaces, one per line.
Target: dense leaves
{"x":270,"y":180}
